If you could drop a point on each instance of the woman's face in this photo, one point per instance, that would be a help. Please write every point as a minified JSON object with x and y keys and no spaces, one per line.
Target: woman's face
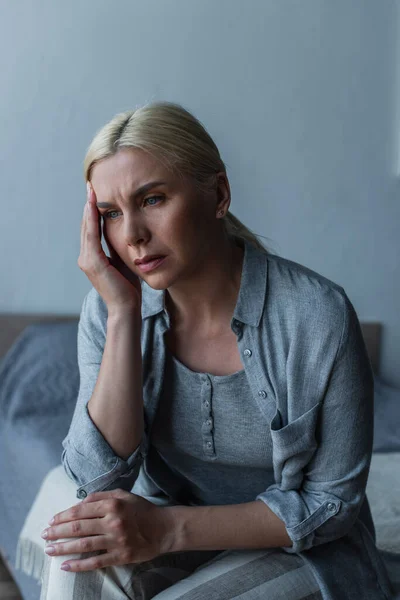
{"x":169,"y":218}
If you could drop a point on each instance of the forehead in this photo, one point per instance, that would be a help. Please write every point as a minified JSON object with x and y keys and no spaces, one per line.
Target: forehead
{"x":128,"y":168}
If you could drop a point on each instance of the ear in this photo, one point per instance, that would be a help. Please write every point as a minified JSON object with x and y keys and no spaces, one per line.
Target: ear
{"x":223,"y":194}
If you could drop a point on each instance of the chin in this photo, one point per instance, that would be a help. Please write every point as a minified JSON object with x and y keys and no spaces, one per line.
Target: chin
{"x":164,"y":281}
{"x":156,"y":286}
{"x":157,"y":283}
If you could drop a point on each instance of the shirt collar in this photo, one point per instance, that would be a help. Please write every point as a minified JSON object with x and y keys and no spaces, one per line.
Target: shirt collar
{"x":252,"y":292}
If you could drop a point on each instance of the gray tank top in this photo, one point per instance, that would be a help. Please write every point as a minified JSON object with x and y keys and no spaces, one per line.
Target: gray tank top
{"x":210,"y":444}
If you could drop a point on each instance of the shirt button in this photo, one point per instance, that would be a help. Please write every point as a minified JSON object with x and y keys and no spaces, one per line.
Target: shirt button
{"x":208,"y":422}
{"x":209,"y":444}
{"x":206,"y":404}
{"x":81,"y":494}
{"x":247,"y":352}
{"x":262,"y":393}
{"x":331,"y":506}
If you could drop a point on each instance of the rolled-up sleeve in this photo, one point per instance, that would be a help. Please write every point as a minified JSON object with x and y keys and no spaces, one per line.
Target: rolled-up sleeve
{"x":87,"y":457}
{"x":325,"y":455}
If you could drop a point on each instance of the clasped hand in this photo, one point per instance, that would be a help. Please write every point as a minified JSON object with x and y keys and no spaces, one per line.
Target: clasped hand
{"x":124,"y":526}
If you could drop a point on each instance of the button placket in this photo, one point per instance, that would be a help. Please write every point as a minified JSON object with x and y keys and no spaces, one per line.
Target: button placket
{"x":207,"y":420}
{"x":206,"y":397}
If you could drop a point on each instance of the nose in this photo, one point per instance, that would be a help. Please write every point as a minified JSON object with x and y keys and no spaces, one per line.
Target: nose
{"x":134,"y":232}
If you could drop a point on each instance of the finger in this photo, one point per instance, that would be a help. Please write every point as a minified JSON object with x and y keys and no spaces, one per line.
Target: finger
{"x":85,"y":544}
{"x":85,"y":217}
{"x":76,"y":512}
{"x":83,"y":224}
{"x":107,"y":559}
{"x":73,"y":529}
{"x":93,"y":207}
{"x":92,"y":212}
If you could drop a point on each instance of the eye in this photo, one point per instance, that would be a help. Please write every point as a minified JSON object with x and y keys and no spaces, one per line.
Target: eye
{"x":153,"y":198}
{"x":107,"y":214}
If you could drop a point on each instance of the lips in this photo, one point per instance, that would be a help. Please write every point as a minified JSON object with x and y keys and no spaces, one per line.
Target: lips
{"x":152,"y":264}
{"x":147,"y":260}
{"x":153,"y":258}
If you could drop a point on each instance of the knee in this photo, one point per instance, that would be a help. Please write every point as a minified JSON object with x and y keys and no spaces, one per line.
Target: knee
{"x":58,"y":492}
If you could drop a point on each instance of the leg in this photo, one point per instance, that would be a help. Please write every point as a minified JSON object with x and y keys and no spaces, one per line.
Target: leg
{"x":58,"y":493}
{"x":270,"y":574}
{"x":140,"y":581}
{"x":135,"y":581}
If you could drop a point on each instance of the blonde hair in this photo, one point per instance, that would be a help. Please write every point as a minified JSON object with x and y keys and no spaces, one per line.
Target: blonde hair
{"x":175,"y":137}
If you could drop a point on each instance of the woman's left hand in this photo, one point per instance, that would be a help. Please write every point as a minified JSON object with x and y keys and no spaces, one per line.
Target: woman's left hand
{"x":125,"y":526}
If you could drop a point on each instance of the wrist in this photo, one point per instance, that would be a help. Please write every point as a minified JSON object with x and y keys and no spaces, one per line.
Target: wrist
{"x":174,"y":531}
{"x":126,"y":313}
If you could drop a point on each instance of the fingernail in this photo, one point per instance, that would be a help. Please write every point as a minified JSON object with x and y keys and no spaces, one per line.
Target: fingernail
{"x":65,"y":567}
{"x":88,"y":189}
{"x":44,"y":533}
{"x":50,"y":549}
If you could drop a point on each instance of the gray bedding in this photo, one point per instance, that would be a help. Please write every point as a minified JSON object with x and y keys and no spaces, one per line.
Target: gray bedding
{"x":39,"y":382}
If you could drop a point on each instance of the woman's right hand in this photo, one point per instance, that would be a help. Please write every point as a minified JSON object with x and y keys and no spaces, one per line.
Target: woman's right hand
{"x":118,"y":286}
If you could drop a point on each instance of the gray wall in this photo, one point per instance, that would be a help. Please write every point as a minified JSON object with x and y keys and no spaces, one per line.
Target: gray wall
{"x":300,"y":97}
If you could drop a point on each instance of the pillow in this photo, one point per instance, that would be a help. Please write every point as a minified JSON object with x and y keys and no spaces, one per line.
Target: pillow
{"x":39,"y":381}
{"x":383,"y":492}
{"x":386,"y":417}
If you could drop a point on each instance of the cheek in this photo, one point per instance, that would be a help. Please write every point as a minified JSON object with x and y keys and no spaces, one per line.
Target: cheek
{"x":182,"y":233}
{"x":111,"y":237}
{"x":188,"y":222}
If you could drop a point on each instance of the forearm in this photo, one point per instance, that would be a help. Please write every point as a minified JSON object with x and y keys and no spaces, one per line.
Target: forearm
{"x":116,"y":405}
{"x":247,"y":525}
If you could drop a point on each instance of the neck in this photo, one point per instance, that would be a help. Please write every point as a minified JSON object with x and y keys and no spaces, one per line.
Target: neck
{"x":207,"y":300}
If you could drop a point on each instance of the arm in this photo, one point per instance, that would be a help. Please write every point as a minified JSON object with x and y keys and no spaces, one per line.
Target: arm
{"x":116,"y":405}
{"x":247,"y":525}
{"x":102,"y":448}
{"x":324,"y":456}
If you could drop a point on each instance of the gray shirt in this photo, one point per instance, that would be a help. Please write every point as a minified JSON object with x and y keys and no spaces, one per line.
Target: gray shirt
{"x":197,"y":455}
{"x":311,"y":379}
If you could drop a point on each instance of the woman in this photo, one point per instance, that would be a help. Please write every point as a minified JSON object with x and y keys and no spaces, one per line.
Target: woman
{"x":222,"y":436}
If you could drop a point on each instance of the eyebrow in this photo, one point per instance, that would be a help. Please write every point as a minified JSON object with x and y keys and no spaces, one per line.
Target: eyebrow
{"x":142,"y":190}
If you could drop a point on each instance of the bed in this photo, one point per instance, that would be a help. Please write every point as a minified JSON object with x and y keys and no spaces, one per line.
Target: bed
{"x":39,"y":383}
